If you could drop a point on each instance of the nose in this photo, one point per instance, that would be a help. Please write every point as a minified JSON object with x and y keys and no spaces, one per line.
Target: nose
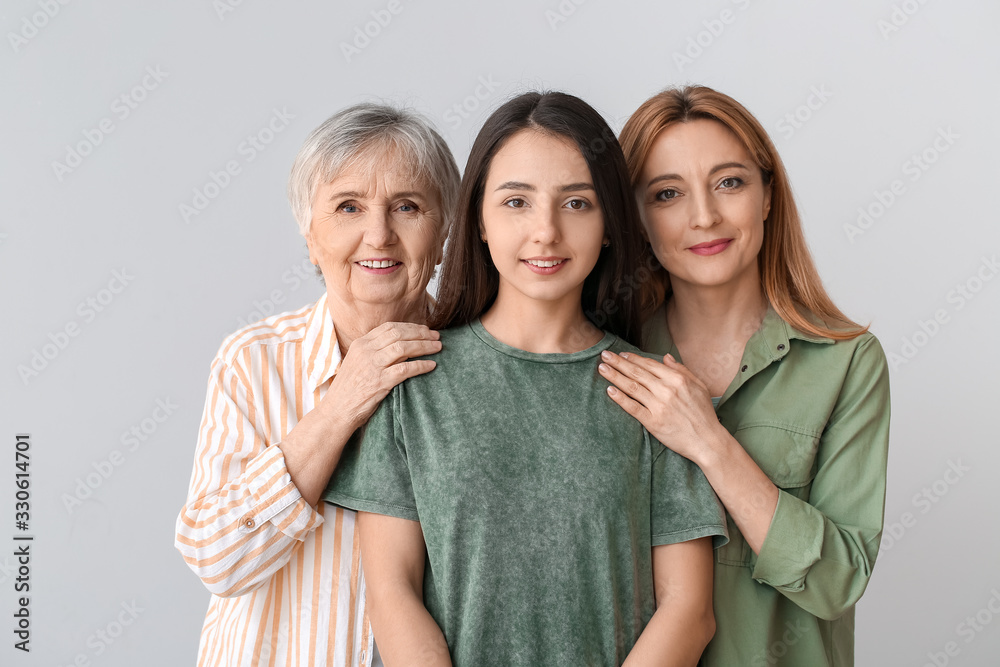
{"x":379,"y":230}
{"x":705,"y":211}
{"x":545,"y":229}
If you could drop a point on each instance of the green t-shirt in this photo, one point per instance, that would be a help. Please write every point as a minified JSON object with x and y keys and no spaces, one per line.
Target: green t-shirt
{"x":538,"y":497}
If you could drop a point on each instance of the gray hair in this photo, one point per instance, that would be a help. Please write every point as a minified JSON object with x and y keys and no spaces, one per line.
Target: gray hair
{"x":365,"y":132}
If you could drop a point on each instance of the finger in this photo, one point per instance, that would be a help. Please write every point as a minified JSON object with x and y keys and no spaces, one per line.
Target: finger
{"x":674,"y":365}
{"x":387,"y":333}
{"x":632,"y":366}
{"x":635,"y":389}
{"x":629,"y":405}
{"x":404,"y":349}
{"x":407,"y":369}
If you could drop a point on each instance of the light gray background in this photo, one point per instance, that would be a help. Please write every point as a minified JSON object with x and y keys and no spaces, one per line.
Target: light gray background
{"x":886,"y":96}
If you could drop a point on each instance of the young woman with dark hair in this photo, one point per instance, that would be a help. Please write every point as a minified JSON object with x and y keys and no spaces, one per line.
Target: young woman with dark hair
{"x":511,"y":514}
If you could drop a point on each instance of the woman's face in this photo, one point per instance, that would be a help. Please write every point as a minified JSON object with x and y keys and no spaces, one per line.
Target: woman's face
{"x":541,"y":218}
{"x":377,"y":235}
{"x":704,"y":203}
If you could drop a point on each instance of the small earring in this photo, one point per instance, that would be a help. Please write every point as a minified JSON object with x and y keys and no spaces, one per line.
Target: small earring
{"x":606,"y":243}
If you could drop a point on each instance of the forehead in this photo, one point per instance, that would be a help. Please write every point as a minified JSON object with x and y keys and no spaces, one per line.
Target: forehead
{"x":696,"y":145}
{"x":540,"y":156}
{"x":385,"y":170}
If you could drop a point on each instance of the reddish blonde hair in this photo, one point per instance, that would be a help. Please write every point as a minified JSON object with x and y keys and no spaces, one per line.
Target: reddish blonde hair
{"x":788,"y":275}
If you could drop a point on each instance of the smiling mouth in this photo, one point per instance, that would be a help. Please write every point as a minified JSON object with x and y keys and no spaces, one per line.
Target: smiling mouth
{"x":378,"y":263}
{"x":544,"y":263}
{"x":711,"y":247}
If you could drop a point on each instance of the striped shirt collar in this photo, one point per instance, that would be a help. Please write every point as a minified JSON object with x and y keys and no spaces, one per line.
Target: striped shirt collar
{"x":320,"y":346}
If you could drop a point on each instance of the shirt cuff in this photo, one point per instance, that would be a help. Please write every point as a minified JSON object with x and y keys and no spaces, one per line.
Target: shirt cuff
{"x":794,"y":543}
{"x":275,"y":498}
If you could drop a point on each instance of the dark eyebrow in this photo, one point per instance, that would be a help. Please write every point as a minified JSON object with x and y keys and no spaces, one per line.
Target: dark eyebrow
{"x":718,"y":167}
{"x":515,"y":185}
{"x":518,"y":185}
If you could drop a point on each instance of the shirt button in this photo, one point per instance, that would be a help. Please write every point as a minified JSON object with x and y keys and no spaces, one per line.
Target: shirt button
{"x":249,"y":522}
{"x":363,"y":654}
{"x":743,"y":370}
{"x":781,"y":347}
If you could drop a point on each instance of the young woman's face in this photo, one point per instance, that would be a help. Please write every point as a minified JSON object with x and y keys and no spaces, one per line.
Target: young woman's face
{"x":541,"y":218}
{"x":704,"y":203}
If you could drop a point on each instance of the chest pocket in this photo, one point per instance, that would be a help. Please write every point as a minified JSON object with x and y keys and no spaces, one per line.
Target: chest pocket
{"x":787,"y":455}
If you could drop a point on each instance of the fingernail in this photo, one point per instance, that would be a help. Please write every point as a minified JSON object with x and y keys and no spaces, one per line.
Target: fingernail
{"x":624,"y":355}
{"x":612,"y":391}
{"x":606,"y":355}
{"x":603,"y":368}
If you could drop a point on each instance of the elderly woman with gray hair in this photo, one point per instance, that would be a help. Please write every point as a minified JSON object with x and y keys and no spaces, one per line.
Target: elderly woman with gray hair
{"x":373,"y":190}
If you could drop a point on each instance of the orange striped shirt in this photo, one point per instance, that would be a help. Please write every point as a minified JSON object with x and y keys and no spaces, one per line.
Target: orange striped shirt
{"x":285,"y":577}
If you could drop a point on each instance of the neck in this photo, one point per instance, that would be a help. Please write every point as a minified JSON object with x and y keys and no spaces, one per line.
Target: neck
{"x":715,"y":313}
{"x":541,"y":326}
{"x":353,"y":319}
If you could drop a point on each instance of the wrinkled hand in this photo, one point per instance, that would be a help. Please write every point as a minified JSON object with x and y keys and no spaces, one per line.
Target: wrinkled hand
{"x":374,"y":364}
{"x":666,"y":398}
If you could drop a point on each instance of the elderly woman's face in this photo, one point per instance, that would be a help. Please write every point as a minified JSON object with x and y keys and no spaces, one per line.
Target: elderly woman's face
{"x":377,"y":235}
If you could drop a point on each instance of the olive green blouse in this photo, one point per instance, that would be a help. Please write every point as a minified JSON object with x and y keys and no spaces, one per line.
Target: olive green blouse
{"x":814,"y":415}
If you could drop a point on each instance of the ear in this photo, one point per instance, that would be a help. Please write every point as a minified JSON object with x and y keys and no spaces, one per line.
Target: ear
{"x":312,"y":252}
{"x":767,"y":199}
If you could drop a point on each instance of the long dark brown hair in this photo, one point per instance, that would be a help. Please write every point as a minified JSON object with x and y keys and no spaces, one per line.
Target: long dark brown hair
{"x":470,"y":281}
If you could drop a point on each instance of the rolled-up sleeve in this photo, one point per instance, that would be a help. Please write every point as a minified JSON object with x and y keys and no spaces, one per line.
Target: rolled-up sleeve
{"x":820,"y":553}
{"x":244,"y":516}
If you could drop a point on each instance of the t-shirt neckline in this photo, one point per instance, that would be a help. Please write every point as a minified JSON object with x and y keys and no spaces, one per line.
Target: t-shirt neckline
{"x":541,"y":357}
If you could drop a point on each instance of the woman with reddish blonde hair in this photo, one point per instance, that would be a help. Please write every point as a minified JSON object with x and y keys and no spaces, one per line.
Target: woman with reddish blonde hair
{"x":781,"y":399}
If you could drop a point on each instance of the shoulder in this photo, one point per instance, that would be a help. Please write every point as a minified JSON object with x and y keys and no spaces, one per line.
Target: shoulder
{"x":618,"y":346}
{"x":288,"y":327}
{"x":864,"y":348}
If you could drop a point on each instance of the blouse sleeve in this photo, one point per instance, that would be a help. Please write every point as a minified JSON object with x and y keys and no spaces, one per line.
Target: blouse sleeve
{"x":820,"y":553}
{"x":244,"y":516}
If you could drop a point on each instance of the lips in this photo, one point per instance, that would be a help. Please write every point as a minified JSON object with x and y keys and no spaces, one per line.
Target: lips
{"x":544,"y":265}
{"x":379,"y":265}
{"x":711,"y":247}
